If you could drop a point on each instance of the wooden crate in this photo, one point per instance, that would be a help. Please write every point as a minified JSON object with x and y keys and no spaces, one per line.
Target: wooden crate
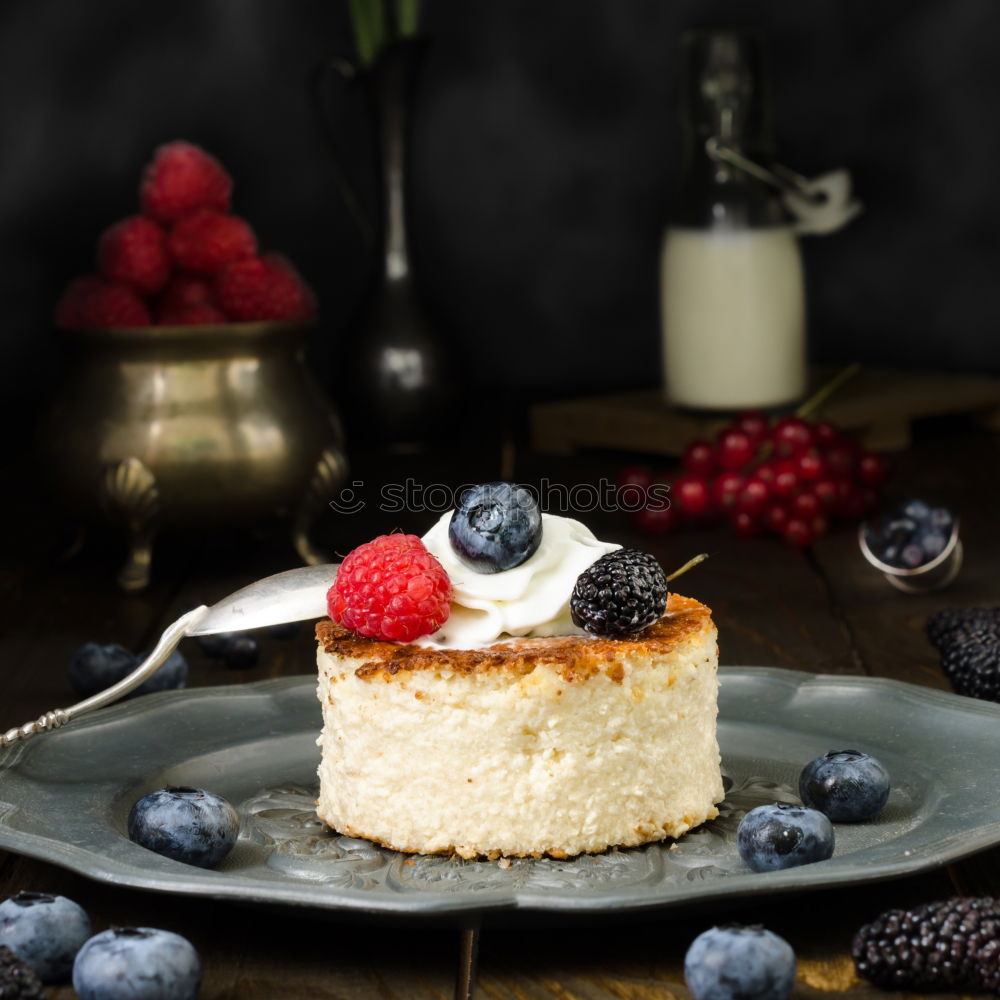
{"x":879,"y":404}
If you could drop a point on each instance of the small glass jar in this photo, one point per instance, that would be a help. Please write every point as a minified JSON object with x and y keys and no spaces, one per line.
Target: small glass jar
{"x":731,"y":279}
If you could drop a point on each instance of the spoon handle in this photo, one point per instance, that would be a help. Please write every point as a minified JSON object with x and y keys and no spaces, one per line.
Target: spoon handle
{"x":58,"y":717}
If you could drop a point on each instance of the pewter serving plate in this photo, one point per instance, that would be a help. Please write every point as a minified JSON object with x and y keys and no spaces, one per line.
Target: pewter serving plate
{"x":65,"y":795}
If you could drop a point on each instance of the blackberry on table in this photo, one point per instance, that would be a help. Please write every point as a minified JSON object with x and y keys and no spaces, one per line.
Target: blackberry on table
{"x":942,"y":623}
{"x":950,"y":945}
{"x":17,"y":980}
{"x":620,"y":594}
{"x":970,"y":658}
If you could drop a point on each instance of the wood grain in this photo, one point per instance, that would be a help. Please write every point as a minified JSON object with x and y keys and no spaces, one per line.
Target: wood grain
{"x":881,"y":405}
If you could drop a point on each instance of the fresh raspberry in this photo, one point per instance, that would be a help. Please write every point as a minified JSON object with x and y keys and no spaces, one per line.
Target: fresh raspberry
{"x":91,"y":303}
{"x":134,"y":251}
{"x":181,"y":179}
{"x":391,"y":588}
{"x":186,"y":290}
{"x":204,"y":241}
{"x":265,"y":287}
{"x":196,"y":314}
{"x":69,"y":308}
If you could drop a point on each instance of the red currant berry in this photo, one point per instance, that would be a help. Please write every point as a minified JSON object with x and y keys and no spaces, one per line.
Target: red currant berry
{"x":655,"y":520}
{"x":725,"y":489}
{"x":699,"y":458}
{"x":691,"y":495}
{"x":765,"y":472}
{"x":797,"y":533}
{"x":806,"y":505}
{"x":745,"y":524}
{"x":753,"y":497}
{"x":632,"y":498}
{"x":825,"y":434}
{"x":873,"y":470}
{"x":753,"y":423}
{"x":736,"y":450}
{"x":826,"y":493}
{"x":636,"y":475}
{"x":786,"y":480}
{"x":791,"y":435}
{"x":776,"y":516}
{"x":840,"y":458}
{"x":809,"y":465}
{"x":844,"y":488}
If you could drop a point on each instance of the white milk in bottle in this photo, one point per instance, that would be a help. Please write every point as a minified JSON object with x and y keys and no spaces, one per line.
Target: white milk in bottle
{"x":731,"y":283}
{"x":733,"y":314}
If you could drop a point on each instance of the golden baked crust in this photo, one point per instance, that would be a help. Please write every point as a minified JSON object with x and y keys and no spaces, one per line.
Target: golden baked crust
{"x":577,"y":657}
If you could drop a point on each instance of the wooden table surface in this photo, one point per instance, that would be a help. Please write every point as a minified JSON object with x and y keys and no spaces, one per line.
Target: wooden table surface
{"x":821,"y":610}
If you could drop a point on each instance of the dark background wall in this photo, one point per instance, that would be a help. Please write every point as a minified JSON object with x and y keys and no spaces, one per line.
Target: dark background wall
{"x":544,"y":162}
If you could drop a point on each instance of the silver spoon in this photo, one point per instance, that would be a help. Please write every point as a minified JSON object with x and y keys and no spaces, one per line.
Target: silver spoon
{"x":293,"y":596}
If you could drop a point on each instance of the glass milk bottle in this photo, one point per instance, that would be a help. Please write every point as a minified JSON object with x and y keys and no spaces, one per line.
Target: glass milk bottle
{"x":733,"y":303}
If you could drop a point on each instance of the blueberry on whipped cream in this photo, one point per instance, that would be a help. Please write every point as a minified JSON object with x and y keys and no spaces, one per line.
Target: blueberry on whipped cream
{"x":530,"y":599}
{"x":495,"y":527}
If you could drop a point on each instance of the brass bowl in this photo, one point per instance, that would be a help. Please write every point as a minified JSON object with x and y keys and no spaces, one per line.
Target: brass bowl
{"x":220,"y":423}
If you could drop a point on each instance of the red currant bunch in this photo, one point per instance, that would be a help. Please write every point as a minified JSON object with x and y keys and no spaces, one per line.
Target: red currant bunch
{"x":790,"y":477}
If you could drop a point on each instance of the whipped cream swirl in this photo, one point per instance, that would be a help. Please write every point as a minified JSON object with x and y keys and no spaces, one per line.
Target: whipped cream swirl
{"x":529,"y":600}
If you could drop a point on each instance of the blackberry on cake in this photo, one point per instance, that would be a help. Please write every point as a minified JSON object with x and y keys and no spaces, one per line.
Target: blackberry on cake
{"x":620,"y":594}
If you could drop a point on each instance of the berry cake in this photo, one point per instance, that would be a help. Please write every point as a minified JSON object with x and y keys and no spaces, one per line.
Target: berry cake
{"x":511,"y":686}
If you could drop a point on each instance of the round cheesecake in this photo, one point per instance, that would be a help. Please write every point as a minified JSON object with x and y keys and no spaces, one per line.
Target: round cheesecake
{"x":527,"y":747}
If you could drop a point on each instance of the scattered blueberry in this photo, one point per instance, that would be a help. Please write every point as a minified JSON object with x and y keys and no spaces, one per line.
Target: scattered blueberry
{"x":94,"y":667}
{"x":286,"y":630}
{"x":910,"y":536}
{"x":942,"y":519}
{"x":237,"y":650}
{"x":496,"y":526}
{"x":933,"y":544}
{"x":45,"y":931}
{"x":901,"y":527}
{"x":172,"y":674}
{"x":916,"y":510}
{"x":186,"y":824}
{"x":214,"y":645}
{"x":739,"y":963}
{"x":241,"y":652}
{"x":847,"y":785}
{"x":889,"y":554}
{"x":137,"y":963}
{"x":772,"y":837}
